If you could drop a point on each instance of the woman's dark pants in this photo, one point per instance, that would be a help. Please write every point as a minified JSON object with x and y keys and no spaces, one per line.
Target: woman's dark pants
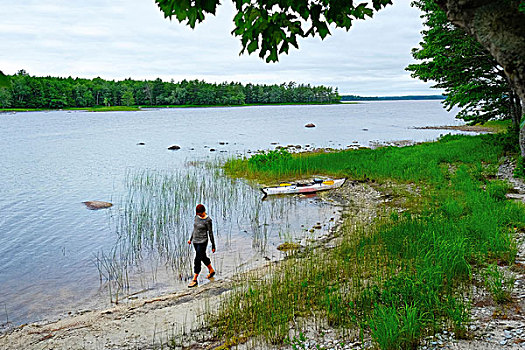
{"x":200,"y":256}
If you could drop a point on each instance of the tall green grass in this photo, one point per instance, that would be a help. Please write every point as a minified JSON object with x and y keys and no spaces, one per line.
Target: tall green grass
{"x":417,"y":163}
{"x":402,"y":278}
{"x":155,"y":219}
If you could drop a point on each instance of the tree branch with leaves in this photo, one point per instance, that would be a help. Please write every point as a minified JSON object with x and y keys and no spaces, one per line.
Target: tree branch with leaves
{"x":271,"y":27}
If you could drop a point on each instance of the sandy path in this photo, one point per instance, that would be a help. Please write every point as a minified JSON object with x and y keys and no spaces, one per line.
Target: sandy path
{"x":137,"y":325}
{"x":145,"y":323}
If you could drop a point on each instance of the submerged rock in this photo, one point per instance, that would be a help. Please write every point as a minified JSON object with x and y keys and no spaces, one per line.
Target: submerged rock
{"x":174,"y":147}
{"x":95,"y":205}
{"x":287,"y":246}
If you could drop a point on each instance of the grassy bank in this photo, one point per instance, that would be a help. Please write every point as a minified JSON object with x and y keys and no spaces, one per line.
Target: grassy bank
{"x":138,"y":108}
{"x":107,"y":109}
{"x":497,"y":125}
{"x":7,"y":110}
{"x":246,"y":105}
{"x":90,"y":109}
{"x":407,"y":275}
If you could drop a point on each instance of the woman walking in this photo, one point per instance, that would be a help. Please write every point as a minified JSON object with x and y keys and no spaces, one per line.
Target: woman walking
{"x":202,"y":228}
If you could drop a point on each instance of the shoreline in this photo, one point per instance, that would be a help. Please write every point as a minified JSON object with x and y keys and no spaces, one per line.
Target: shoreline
{"x":138,"y":321}
{"x":77,"y":330}
{"x":147,"y":107}
{"x":469,"y":128}
{"x":152,"y":322}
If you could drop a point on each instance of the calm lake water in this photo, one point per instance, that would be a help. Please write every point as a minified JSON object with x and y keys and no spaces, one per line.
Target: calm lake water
{"x":53,"y":161}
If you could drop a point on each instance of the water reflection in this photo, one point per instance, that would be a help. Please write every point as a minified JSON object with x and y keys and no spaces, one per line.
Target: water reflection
{"x":154,"y":221}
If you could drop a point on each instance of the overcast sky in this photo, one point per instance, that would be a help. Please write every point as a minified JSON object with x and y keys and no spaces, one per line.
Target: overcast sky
{"x":118,"y":39}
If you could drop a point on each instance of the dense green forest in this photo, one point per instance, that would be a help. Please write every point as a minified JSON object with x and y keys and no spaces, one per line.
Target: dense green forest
{"x":25,"y":91}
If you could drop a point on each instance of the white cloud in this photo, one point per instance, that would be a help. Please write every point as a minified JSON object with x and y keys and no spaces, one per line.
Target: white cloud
{"x":131,"y":38}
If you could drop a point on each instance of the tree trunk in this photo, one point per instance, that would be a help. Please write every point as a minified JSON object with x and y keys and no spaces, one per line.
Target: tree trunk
{"x":500,"y":28}
{"x":515,"y":108}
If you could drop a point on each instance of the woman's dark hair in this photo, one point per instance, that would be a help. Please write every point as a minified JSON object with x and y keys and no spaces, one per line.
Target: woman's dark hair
{"x":200,"y":209}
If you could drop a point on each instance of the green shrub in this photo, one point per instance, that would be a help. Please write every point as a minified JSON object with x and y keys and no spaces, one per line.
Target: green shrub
{"x":385,"y":328}
{"x":265,"y":158}
{"x":497,"y":190}
{"x":509,"y":140}
{"x":519,"y":171}
{"x":499,"y":285}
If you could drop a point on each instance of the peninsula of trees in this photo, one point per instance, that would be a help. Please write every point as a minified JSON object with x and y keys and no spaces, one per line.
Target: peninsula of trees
{"x":25,"y":91}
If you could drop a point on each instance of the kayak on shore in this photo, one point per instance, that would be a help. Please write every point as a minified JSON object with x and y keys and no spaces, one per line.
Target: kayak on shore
{"x":315,"y":186}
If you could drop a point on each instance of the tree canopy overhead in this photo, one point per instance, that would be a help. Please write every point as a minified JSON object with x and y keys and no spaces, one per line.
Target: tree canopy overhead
{"x":271,"y":27}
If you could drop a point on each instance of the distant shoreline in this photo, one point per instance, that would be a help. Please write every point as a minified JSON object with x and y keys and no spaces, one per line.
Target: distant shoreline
{"x":345,"y":98}
{"x":144,"y":107}
{"x":348,"y":99}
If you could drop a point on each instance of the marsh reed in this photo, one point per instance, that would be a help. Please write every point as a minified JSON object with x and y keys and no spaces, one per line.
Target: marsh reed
{"x":154,"y":221}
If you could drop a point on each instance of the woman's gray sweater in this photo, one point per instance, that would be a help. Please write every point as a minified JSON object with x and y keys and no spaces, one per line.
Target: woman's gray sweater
{"x":201,"y":229}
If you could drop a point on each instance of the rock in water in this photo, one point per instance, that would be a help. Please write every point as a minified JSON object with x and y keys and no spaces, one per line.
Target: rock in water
{"x":174,"y":147}
{"x":287,"y":246}
{"x":95,"y":205}
{"x":310,"y":125}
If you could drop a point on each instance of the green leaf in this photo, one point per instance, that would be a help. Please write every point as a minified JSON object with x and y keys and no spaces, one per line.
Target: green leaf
{"x":192,"y":17}
{"x":293,"y":41}
{"x":284,"y":47}
{"x":323,"y":30}
{"x":272,"y":57}
{"x":254,"y":45}
{"x":209,"y":6}
{"x":378,"y":4}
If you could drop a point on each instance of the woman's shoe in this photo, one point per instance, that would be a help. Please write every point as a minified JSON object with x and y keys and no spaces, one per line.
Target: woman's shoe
{"x":193,"y":284}
{"x":212,"y":271}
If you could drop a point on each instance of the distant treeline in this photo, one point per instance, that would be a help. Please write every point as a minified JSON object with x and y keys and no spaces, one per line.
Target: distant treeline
{"x":391,"y":98}
{"x":25,"y":91}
